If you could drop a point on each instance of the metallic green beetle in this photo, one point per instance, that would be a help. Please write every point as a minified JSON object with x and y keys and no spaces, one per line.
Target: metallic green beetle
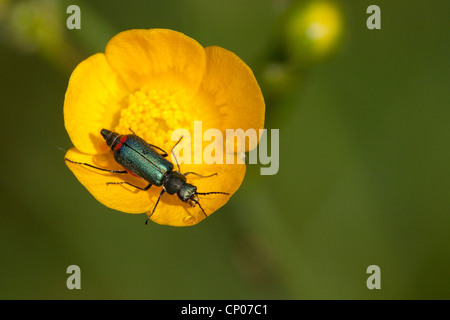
{"x":141,"y":159}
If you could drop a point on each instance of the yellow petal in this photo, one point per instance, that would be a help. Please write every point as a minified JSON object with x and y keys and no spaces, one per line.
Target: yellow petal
{"x":157,"y":59}
{"x":229,"y":89}
{"x":172,"y":211}
{"x":119,"y":197}
{"x":93,"y":99}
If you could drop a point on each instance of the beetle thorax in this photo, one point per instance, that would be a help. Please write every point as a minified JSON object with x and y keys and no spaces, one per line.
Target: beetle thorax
{"x":175,"y":182}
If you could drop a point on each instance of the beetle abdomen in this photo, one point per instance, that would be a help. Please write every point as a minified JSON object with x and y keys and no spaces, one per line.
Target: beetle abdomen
{"x":137,"y":156}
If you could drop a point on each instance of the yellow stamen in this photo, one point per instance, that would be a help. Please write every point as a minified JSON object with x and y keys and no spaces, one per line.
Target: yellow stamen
{"x":153,"y":116}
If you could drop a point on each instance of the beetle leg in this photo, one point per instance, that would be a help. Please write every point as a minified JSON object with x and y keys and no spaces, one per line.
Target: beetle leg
{"x":165,"y":153}
{"x":124,"y":182}
{"x":154,"y":208}
{"x":200,"y":206}
{"x":199,"y":175}
{"x":90,"y":165}
{"x":176,"y":160}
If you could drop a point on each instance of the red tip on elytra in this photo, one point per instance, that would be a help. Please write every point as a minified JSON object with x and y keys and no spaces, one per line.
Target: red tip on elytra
{"x":119,"y":145}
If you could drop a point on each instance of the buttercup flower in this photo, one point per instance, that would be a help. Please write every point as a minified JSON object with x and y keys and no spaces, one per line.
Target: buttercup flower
{"x":154,"y":82}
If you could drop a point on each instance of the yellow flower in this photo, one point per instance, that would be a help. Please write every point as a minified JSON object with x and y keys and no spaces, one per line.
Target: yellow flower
{"x":153,"y":82}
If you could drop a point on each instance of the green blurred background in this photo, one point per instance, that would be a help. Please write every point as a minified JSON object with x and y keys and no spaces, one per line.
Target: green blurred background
{"x":364,"y":161}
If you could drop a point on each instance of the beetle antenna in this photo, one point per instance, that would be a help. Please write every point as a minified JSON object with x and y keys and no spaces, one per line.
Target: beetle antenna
{"x":214,"y":192}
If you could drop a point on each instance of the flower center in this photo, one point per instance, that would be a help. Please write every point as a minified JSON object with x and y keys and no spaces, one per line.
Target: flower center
{"x":153,"y":116}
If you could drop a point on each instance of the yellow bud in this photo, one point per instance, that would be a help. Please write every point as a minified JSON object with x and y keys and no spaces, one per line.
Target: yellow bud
{"x":313,"y":30}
